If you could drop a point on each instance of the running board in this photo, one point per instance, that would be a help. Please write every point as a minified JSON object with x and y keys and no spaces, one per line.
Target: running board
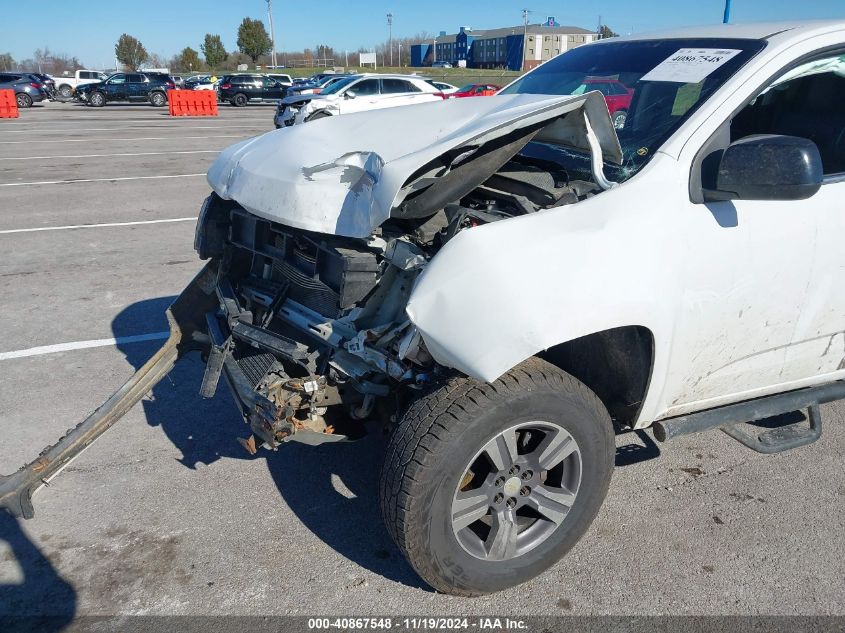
{"x":732,"y":419}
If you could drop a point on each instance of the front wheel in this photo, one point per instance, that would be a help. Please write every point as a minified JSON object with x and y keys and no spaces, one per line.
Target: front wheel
{"x":97,"y":99}
{"x":23,"y":100}
{"x":158,"y":99}
{"x":485,"y":486}
{"x":65,"y":91}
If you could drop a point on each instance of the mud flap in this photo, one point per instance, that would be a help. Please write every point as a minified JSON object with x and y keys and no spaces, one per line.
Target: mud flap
{"x":186,"y":317}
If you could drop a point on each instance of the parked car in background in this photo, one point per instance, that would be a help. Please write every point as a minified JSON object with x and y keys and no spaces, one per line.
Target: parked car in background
{"x":617,"y":96}
{"x":356,"y":93}
{"x":316,"y":87}
{"x":476,"y":90}
{"x":149,"y":86}
{"x":48,"y":82}
{"x":283,"y":79}
{"x":65,"y":85}
{"x":239,"y":90}
{"x":445,"y":88}
{"x":178,"y":80}
{"x":27,"y":90}
{"x":199,"y":82}
{"x":441,"y":65}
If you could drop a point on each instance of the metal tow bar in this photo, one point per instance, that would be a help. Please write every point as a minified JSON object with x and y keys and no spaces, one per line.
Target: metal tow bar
{"x":186,"y":317}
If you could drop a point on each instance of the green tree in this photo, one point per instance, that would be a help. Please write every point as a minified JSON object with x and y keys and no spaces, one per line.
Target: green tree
{"x":7,"y":62}
{"x":188,"y":60}
{"x":130,"y":52}
{"x":605,"y":31}
{"x":253,"y":40}
{"x":215,"y":53}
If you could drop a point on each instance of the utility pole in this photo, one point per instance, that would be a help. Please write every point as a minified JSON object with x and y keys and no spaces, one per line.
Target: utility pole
{"x":390,"y":37}
{"x":435,"y":50}
{"x":272,"y":33}
{"x":524,"y":37}
{"x":727,"y":16}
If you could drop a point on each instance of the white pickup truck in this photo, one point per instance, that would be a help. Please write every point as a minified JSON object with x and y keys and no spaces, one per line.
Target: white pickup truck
{"x":506,"y":283}
{"x":65,"y":84}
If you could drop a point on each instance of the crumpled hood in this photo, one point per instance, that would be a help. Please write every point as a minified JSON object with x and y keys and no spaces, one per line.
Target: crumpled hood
{"x":344,"y":174}
{"x":300,"y":98}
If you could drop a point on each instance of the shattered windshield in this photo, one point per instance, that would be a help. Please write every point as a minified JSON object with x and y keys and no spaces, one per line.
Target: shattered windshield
{"x":650,"y":86}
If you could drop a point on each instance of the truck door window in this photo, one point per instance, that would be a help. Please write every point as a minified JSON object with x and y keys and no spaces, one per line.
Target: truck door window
{"x":806,"y":101}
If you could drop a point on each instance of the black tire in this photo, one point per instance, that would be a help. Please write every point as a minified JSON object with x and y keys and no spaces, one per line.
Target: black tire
{"x":65,"y":91}
{"x":158,"y":99}
{"x":23,"y":100}
{"x":239,"y":100}
{"x":320,"y":114}
{"x":441,"y":431}
{"x":619,"y":118}
{"x":97,"y":99}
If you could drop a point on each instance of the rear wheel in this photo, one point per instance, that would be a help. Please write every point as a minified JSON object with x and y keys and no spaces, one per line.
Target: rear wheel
{"x":97,"y":99}
{"x":239,"y":100}
{"x":485,"y":486}
{"x":23,"y":100}
{"x":158,"y":99}
{"x":65,"y":91}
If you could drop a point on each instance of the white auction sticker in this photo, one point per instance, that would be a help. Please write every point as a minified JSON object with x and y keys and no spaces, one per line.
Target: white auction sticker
{"x":690,"y":65}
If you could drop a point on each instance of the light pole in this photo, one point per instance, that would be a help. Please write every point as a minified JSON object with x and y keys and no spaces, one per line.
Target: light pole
{"x":390,"y":38}
{"x":272,"y":32}
{"x":435,"y":50}
{"x":524,"y":36}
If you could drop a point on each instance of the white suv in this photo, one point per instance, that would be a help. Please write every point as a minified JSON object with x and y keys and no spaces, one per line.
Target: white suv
{"x":355,"y":94}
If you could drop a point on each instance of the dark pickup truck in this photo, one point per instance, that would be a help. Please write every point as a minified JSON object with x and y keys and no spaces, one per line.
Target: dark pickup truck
{"x":150,"y":87}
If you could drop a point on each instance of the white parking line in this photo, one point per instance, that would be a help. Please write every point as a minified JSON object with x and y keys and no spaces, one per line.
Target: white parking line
{"x":143,"y":138}
{"x":193,"y":151}
{"x":67,"y":182}
{"x":147,"y":127}
{"x":69,"y":347}
{"x":94,"y":226}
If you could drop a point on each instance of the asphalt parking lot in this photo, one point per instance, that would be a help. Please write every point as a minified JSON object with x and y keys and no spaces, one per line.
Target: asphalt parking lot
{"x":167,"y":514}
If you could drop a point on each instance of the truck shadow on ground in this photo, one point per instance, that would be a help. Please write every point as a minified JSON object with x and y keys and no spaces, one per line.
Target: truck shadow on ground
{"x":332,"y":489}
{"x":35,"y":598}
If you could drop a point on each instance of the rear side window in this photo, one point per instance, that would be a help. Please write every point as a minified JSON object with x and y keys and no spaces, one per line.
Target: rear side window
{"x":135,"y":79}
{"x":391,"y":86}
{"x":806,"y":101}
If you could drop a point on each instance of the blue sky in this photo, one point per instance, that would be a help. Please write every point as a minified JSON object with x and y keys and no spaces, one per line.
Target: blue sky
{"x":89,"y":28}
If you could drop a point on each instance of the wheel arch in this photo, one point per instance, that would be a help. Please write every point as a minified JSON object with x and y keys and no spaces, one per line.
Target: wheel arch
{"x":616,"y":364}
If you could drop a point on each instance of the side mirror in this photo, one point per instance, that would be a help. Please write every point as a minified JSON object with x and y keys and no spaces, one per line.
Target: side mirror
{"x":349,"y":94}
{"x":768,"y":167}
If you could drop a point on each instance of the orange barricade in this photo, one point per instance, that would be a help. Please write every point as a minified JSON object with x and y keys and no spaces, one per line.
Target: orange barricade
{"x":8,"y":105}
{"x":192,"y":102}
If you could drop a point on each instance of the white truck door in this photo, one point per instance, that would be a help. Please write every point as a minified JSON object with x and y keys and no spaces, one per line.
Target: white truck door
{"x":763,"y":306}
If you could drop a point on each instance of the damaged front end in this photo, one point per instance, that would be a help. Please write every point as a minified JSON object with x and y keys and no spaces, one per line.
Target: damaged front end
{"x":314,"y":250}
{"x":317,"y":259}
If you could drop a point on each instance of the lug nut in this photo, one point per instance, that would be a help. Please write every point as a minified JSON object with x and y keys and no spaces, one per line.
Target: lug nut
{"x":514,"y":470}
{"x":511,"y":502}
{"x":525,"y":491}
{"x":500,"y":481}
{"x":527,"y":475}
{"x":498,"y":498}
